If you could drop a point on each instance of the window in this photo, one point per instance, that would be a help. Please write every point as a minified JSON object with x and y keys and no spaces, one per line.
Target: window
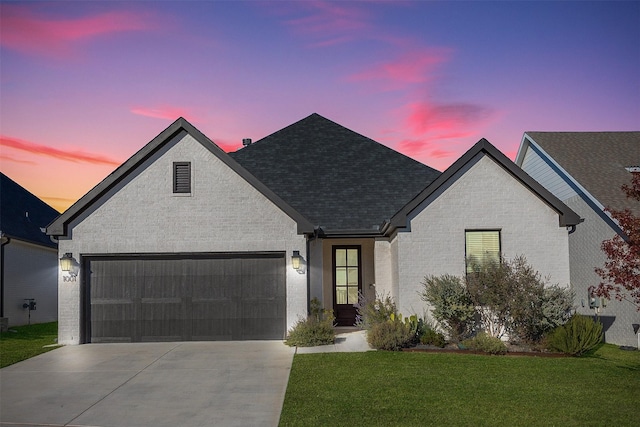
{"x":182,"y":177}
{"x":347,"y":274}
{"x":482,"y":246}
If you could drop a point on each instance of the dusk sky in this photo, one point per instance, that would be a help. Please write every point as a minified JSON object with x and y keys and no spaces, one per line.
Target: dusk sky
{"x":84,"y":85}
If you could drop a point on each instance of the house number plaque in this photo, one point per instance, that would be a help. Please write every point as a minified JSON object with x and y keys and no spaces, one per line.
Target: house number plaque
{"x":69,"y":278}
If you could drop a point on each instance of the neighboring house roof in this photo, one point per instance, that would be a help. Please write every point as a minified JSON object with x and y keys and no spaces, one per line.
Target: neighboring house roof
{"x":597,"y":161}
{"x":22,"y":215}
{"x":177,"y":129}
{"x":336,"y":178}
{"x":567,"y":217}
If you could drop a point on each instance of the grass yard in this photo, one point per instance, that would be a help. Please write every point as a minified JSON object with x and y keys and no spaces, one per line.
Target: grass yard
{"x":420,"y":389}
{"x":26,"y":342}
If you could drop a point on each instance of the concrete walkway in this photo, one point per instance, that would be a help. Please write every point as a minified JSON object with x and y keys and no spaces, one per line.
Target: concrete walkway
{"x":149,"y":384}
{"x":347,"y":340}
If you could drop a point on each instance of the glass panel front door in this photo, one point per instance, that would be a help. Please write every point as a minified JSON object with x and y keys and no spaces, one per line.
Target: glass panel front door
{"x":347,"y":280}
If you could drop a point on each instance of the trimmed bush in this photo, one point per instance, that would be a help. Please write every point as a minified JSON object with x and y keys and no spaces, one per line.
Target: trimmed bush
{"x":486,"y":343}
{"x":316,"y":329}
{"x":579,"y":335}
{"x":392,"y":335}
{"x":431,"y":337}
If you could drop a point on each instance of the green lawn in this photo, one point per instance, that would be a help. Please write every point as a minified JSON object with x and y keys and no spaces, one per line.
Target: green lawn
{"x":26,"y":342}
{"x":418,"y":389}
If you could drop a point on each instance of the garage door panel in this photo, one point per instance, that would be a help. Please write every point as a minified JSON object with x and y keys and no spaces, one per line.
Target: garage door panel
{"x":187,"y":299}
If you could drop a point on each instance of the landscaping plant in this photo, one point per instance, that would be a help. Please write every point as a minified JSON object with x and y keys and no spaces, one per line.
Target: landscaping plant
{"x":451,"y":305}
{"x":392,"y":335}
{"x":316,"y":329}
{"x":486,"y":343}
{"x":372,"y":311}
{"x":576,"y":337}
{"x":432,"y":337}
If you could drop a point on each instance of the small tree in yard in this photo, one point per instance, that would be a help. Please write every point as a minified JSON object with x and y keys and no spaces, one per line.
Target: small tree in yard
{"x":511,"y":297}
{"x":508,"y":294}
{"x":621,"y":271}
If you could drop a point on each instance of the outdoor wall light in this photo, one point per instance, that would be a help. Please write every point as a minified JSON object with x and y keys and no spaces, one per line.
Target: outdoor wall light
{"x":296,"y":262}
{"x":66,"y":262}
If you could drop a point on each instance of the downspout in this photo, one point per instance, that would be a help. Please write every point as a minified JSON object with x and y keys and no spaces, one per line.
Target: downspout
{"x":316,"y":232}
{"x":4,"y":240}
{"x":308,"y":276}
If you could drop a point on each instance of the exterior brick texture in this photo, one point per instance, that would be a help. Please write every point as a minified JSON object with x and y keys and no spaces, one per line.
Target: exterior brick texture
{"x":485,"y":197}
{"x":617,"y":317}
{"x":223,"y":213}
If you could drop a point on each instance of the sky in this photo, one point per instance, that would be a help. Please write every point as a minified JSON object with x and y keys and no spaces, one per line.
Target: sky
{"x":86,"y":84}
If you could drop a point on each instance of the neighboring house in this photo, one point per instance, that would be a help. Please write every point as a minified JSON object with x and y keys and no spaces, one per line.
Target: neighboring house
{"x":186,"y":242}
{"x":586,"y":170}
{"x":28,"y":257}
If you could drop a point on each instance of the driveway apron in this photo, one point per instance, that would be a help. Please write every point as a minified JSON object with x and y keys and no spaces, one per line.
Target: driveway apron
{"x":149,"y":384}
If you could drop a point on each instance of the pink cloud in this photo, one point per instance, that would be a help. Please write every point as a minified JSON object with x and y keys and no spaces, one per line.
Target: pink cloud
{"x":227,"y":146}
{"x":164,"y":112}
{"x":24,"y":31}
{"x":420,"y":147}
{"x":7,"y":158}
{"x":414,"y":67}
{"x":447,"y":120}
{"x":77,"y":156}
{"x":330,"y":22}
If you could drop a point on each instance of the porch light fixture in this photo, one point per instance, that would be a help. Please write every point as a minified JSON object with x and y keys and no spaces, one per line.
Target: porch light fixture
{"x":296,"y":262}
{"x":66,"y":262}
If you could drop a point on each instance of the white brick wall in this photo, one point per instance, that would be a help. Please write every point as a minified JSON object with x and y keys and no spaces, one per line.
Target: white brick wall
{"x":586,"y":255}
{"x":224,"y":213}
{"x":485,"y":197}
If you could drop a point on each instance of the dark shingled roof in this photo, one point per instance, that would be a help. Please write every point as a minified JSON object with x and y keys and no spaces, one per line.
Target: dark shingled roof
{"x":22,"y":214}
{"x":597,"y":160}
{"x":333,"y":176}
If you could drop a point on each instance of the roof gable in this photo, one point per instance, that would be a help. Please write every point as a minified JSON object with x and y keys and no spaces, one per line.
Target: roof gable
{"x":59,"y":227}
{"x":567,"y":217}
{"x":596,"y":161}
{"x":338,"y":179}
{"x":22,"y":215}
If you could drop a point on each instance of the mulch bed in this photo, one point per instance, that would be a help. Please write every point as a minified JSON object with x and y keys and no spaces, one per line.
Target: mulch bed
{"x":514,"y":351}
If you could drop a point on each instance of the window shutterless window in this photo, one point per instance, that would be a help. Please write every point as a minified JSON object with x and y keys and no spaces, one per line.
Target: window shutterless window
{"x":482,"y":247}
{"x":182,"y":177}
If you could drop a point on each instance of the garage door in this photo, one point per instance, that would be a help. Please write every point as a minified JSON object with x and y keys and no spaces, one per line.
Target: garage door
{"x":195,"y":298}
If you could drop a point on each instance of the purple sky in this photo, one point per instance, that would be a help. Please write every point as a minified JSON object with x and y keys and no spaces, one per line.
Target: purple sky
{"x":84,"y":85}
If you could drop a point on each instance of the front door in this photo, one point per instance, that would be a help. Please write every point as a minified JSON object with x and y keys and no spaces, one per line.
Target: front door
{"x":347,"y":283}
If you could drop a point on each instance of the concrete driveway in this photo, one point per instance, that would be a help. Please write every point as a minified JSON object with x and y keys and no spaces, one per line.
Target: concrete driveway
{"x":149,"y":384}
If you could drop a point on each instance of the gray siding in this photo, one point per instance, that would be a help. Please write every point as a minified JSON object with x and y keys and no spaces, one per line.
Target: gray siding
{"x":542,"y":172}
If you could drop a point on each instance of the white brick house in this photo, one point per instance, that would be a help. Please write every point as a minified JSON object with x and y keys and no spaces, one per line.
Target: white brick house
{"x":186,"y":242}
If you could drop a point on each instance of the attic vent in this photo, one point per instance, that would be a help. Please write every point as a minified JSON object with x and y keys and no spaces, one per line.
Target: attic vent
{"x":246,"y":142}
{"x":633,"y":169}
{"x":182,"y":177}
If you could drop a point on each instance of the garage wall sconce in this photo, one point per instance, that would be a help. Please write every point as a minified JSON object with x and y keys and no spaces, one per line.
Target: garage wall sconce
{"x":68,"y":264}
{"x":297,"y":262}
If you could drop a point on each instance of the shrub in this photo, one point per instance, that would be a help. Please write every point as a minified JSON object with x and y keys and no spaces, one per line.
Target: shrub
{"x":557,"y":305}
{"x":579,"y":335}
{"x":391,"y":335}
{"x":432,"y":337}
{"x":316,"y":329}
{"x":451,"y":305}
{"x":486,"y":343}
{"x":373,"y":311}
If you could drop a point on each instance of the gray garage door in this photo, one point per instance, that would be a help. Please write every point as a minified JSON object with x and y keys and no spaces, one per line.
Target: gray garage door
{"x":205,"y":298}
